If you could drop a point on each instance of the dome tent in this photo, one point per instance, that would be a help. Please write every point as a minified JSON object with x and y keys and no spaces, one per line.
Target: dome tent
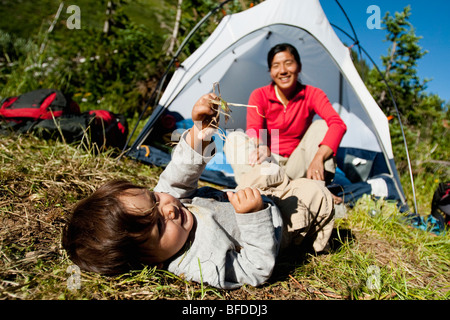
{"x":235,"y":56}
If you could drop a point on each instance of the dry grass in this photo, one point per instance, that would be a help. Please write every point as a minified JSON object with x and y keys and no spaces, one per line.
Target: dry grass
{"x":40,"y":181}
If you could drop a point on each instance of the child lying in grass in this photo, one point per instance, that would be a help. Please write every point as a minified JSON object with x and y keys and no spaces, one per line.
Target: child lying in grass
{"x":225,"y":239}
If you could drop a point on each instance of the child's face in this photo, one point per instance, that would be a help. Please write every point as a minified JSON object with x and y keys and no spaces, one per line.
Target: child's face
{"x":173,"y":224}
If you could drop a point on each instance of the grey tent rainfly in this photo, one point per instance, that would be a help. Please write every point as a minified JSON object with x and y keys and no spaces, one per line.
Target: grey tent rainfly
{"x":235,"y":56}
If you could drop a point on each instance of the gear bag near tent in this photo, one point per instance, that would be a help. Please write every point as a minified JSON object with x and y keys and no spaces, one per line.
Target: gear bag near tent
{"x":235,"y":56}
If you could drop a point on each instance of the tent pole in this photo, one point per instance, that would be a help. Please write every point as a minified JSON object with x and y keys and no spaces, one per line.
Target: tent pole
{"x":341,"y":92}
{"x":411,"y":176}
{"x":356,"y":40}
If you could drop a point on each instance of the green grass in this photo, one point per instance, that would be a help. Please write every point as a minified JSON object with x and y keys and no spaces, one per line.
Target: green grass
{"x":40,"y":181}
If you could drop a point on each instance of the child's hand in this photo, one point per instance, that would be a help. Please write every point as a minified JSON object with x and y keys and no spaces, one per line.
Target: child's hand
{"x":246,"y":200}
{"x":204,"y":111}
{"x":203,"y":114}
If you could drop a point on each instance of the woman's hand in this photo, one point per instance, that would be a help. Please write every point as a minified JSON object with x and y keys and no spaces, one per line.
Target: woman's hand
{"x":257,"y":156}
{"x":316,"y":169}
{"x":246,"y":200}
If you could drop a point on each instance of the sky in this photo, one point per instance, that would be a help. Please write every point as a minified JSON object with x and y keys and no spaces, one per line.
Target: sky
{"x":430,"y":20}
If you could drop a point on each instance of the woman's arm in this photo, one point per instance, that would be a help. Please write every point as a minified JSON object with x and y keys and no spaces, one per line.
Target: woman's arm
{"x":256,"y":123}
{"x":332,"y":139}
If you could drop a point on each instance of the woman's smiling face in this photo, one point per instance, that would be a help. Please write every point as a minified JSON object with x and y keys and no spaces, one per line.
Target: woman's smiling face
{"x":173,"y":222}
{"x":284,"y":71}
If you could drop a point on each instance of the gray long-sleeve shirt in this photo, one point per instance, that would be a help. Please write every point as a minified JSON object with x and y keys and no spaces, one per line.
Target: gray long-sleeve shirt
{"x":228,"y":249}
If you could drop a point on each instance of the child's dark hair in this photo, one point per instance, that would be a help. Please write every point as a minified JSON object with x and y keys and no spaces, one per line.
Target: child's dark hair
{"x":102,"y":236}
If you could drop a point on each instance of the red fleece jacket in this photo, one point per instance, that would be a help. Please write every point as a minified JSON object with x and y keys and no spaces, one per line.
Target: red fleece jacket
{"x":293,"y":120}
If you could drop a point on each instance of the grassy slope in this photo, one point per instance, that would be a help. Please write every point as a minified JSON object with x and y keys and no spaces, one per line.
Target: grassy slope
{"x":40,"y":181}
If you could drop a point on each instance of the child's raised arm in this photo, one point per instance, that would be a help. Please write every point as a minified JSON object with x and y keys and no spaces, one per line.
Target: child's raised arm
{"x":180,"y":178}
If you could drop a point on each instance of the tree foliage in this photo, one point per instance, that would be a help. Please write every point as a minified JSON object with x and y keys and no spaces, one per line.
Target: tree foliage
{"x":400,"y":65}
{"x":99,"y":68}
{"x":112,"y":62}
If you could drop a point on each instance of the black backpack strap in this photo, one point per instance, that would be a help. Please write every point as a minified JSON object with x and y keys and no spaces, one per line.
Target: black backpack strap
{"x":441,"y":202}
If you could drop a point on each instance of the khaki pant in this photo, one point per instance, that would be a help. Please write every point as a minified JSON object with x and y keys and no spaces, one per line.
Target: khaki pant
{"x":238,"y":146}
{"x":306,"y":205}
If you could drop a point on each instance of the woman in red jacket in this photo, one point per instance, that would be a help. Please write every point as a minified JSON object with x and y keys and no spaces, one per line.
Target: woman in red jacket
{"x":281,"y":129}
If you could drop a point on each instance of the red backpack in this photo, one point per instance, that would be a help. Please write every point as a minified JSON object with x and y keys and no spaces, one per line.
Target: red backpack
{"x":37,"y":105}
{"x":48,"y":113}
